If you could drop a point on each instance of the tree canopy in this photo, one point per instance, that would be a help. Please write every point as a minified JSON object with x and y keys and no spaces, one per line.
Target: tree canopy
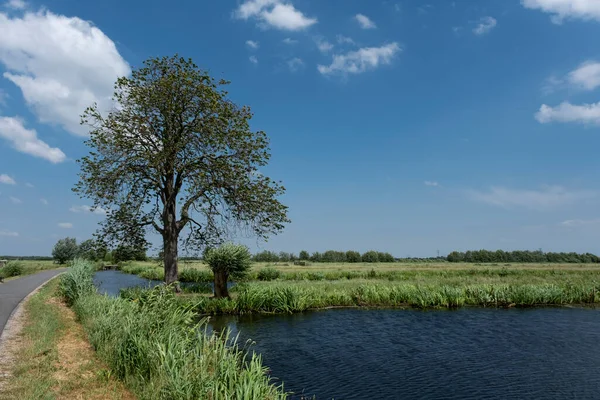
{"x":178,"y":156}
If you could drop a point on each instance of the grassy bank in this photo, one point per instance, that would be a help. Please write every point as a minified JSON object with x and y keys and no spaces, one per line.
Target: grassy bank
{"x":155,"y":347}
{"x":289,"y":297}
{"x":52,"y":358}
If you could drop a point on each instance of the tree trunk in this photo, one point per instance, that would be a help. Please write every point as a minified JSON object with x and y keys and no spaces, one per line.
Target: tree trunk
{"x":221,"y":284}
{"x":170,"y":238}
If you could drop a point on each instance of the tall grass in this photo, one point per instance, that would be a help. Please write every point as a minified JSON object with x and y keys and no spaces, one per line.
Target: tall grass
{"x":290,"y":297}
{"x":154,"y":345}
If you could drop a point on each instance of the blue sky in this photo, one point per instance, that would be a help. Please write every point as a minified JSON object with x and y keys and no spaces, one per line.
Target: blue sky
{"x":403,"y":126}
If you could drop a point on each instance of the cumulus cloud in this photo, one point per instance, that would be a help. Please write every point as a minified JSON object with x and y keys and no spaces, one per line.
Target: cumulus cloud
{"x":88,"y":209}
{"x":546,"y":197}
{"x":586,"y":76}
{"x":361,"y":60}
{"x":278,"y":14}
{"x":65,"y":225}
{"x":566,"y":9}
{"x":341,"y":39}
{"x":61,"y":64}
{"x":8,"y":233}
{"x":485,"y":25}
{"x":323,"y":45}
{"x":364,"y":21}
{"x":431,"y":183}
{"x":7,"y":179}
{"x":253,"y":60}
{"x":295,"y":64}
{"x":16,"y":4}
{"x":26,"y":140}
{"x":252,"y":44}
{"x":588,"y":114}
{"x":15,"y":200}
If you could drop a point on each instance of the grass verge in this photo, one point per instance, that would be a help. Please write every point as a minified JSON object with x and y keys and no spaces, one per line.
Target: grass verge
{"x":53,"y":360}
{"x":158,"y":350}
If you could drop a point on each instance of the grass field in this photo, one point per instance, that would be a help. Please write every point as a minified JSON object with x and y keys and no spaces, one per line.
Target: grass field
{"x":293,"y":288}
{"x":16,"y":268}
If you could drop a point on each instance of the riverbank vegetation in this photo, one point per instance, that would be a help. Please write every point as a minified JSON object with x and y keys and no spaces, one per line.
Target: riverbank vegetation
{"x":159,"y":350}
{"x":16,"y":268}
{"x":52,"y":358}
{"x":280,"y":288}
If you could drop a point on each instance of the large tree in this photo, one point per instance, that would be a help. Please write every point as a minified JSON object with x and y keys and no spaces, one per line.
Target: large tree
{"x":177,"y":155}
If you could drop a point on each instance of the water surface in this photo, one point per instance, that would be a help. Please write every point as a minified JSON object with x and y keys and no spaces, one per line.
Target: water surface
{"x":548,"y":353}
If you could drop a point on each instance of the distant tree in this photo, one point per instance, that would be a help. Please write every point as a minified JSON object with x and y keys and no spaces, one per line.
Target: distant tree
{"x":385,"y":257}
{"x":65,"y":250}
{"x":316,"y":257}
{"x":228,"y":260}
{"x":370,"y":256}
{"x":178,"y":155}
{"x":91,"y":250}
{"x":266,"y":256}
{"x":284,"y":256}
{"x":304,"y":256}
{"x":129,"y":253}
{"x":353,"y":256}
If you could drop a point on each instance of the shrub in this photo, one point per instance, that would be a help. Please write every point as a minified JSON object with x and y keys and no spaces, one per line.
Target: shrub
{"x":195,"y":275}
{"x":268,"y":274}
{"x":13,"y":268}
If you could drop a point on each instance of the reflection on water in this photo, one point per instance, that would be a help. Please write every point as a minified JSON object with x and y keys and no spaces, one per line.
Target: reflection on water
{"x":550,"y":353}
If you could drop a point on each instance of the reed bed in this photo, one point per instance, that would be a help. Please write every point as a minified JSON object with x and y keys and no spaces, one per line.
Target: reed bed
{"x":291,"y":297}
{"x":155,"y":346}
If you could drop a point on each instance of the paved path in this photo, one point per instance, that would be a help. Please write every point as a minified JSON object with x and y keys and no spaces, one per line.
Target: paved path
{"x":12,"y":292}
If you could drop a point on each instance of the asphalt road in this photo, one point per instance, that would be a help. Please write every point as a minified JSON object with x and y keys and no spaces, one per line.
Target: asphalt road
{"x":12,"y":292}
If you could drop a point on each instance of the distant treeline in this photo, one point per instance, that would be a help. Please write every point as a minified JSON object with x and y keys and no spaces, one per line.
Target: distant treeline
{"x":521,"y":256}
{"x":32,"y":258}
{"x":331,"y":256}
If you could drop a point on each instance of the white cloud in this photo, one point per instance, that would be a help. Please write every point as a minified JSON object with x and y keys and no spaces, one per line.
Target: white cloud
{"x":546,"y":197}
{"x":62,"y":65}
{"x":65,"y":225}
{"x":15,"y":200}
{"x":7,"y":179}
{"x":277,"y":14}
{"x":26,"y":140}
{"x":566,"y":112}
{"x":565,"y":9}
{"x":361,"y":60}
{"x":364,"y":21}
{"x":289,"y":41}
{"x":29,"y":185}
{"x":44,"y":202}
{"x":323,"y":45}
{"x":431,"y":183}
{"x":587,"y":76}
{"x":341,"y":39}
{"x":573,"y":223}
{"x":16,"y":4}
{"x":3,"y":97}
{"x":253,"y":60}
{"x":252,"y":44}
{"x":485,"y":25}
{"x":295,"y":64}
{"x":8,"y":233}
{"x":88,"y":209}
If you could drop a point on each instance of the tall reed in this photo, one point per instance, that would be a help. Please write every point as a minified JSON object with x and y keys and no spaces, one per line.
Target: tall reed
{"x":155,"y":346}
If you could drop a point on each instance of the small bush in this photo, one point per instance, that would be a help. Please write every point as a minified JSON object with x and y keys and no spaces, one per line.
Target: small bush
{"x":268,"y":274}
{"x":195,"y":275}
{"x":13,"y":268}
